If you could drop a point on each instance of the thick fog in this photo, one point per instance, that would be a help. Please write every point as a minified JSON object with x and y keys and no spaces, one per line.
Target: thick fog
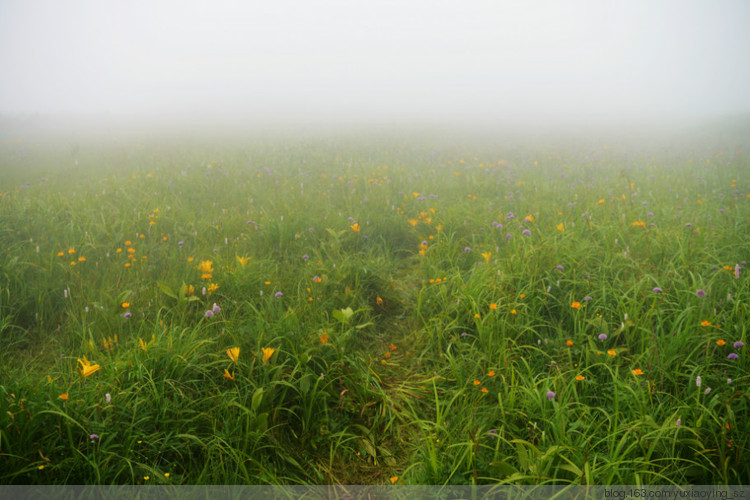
{"x":387,"y":61}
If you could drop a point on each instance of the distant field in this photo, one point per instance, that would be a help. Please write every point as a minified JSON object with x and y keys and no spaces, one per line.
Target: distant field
{"x":341,"y":311}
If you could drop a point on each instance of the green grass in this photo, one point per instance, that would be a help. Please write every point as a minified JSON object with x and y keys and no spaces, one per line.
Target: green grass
{"x":413,"y":341}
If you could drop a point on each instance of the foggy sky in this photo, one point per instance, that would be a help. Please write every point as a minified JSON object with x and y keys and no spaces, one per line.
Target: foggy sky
{"x":349,"y":59}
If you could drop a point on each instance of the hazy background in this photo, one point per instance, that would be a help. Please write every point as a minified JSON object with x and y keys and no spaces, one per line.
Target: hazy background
{"x":346,"y":61}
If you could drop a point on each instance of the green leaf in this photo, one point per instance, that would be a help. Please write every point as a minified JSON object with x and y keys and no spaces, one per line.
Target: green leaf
{"x":257,"y":399}
{"x":166,"y":290}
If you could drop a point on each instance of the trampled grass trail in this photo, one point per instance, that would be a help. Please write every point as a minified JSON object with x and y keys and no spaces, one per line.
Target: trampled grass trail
{"x":376,"y":311}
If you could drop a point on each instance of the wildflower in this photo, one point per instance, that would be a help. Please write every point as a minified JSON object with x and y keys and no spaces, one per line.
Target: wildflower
{"x":379,"y":301}
{"x":569,"y":343}
{"x":588,"y":298}
{"x":550,"y":395}
{"x":278,"y":295}
{"x":209,"y":313}
{"x":206,"y":267}
{"x":477,"y":382}
{"x":637,"y":372}
{"x":107,"y":398}
{"x":708,"y":389}
{"x":484,"y":390}
{"x":526,"y":232}
{"x":464,"y":334}
{"x":394,"y":479}
{"x":739,"y":344}
{"x":60,"y":254}
{"x":700,"y":293}
{"x":493,"y":306}
{"x":87,"y":368}
{"x":324,"y":338}
{"x":467,"y":249}
{"x":491,"y":373}
{"x":612,"y":352}
{"x":166,"y":474}
{"x":146,"y":478}
{"x":127,"y":315}
{"x":560,"y":227}
{"x":63,"y":396}
{"x":657,"y":290}
{"x":733,"y":355}
{"x":71,"y":251}
{"x":355,"y":227}
{"x":267,"y":353}
{"x":705,"y":323}
{"x":679,"y":421}
{"x":720,"y":342}
{"x":698,"y":381}
{"x":216,"y":309}
{"x":737,"y":271}
{"x":228,"y":375}
{"x":580,"y":377}
{"x":575,"y":305}
{"x":125,"y":305}
{"x":242,"y":260}
{"x":487,"y":256}
{"x":234,"y":354}
{"x":559,"y":268}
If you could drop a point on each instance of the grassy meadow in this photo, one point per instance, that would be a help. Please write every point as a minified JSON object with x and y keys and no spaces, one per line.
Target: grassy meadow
{"x":373,"y":311}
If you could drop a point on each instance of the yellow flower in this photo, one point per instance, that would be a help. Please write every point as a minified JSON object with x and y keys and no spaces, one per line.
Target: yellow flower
{"x":569,"y":343}
{"x":477,"y":382}
{"x":355,"y":227}
{"x":487,"y":256}
{"x":493,"y":306}
{"x":206,"y":267}
{"x":63,"y":396}
{"x":612,"y":352}
{"x":125,"y":305}
{"x":413,"y":222}
{"x":242,"y":260}
{"x":212,"y":287}
{"x":575,"y":305}
{"x":60,"y":254}
{"x":86,"y":367}
{"x":234,"y":354}
{"x":491,"y":373}
{"x":705,"y":323}
{"x":71,"y":250}
{"x":267,"y":353}
{"x":81,"y":259}
{"x":128,"y":243}
{"x":324,"y":338}
{"x":189,"y":290}
{"x":228,"y":375}
{"x":720,"y":342}
{"x":394,"y":479}
{"x":580,"y":377}
{"x":637,"y":372}
{"x":379,"y":301}
{"x":484,"y":389}
{"x":560,"y":227}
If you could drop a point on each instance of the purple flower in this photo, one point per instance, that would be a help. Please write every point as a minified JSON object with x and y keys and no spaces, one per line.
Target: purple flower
{"x":688,"y":225}
{"x":209,"y":313}
{"x":602,"y":336}
{"x":305,"y":257}
{"x":733,"y":355}
{"x":657,"y":290}
{"x":739,"y":344}
{"x":216,"y":309}
{"x":492,"y":433}
{"x":560,"y":268}
{"x":508,"y":236}
{"x":729,"y":381}
{"x":679,"y":421}
{"x":127,"y":315}
{"x":526,"y":232}
{"x":737,"y":271}
{"x":701,"y":293}
{"x":464,"y":334}
{"x":278,"y":295}
{"x":94,"y":437}
{"x":467,"y":249}
{"x":180,"y":243}
{"x":698,"y":381}
{"x":550,"y":395}
{"x":708,"y":389}
{"x":249,"y":223}
{"x":650,"y":214}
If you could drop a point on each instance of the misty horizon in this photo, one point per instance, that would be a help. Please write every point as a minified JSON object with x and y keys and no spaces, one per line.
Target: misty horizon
{"x":336,"y":62}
